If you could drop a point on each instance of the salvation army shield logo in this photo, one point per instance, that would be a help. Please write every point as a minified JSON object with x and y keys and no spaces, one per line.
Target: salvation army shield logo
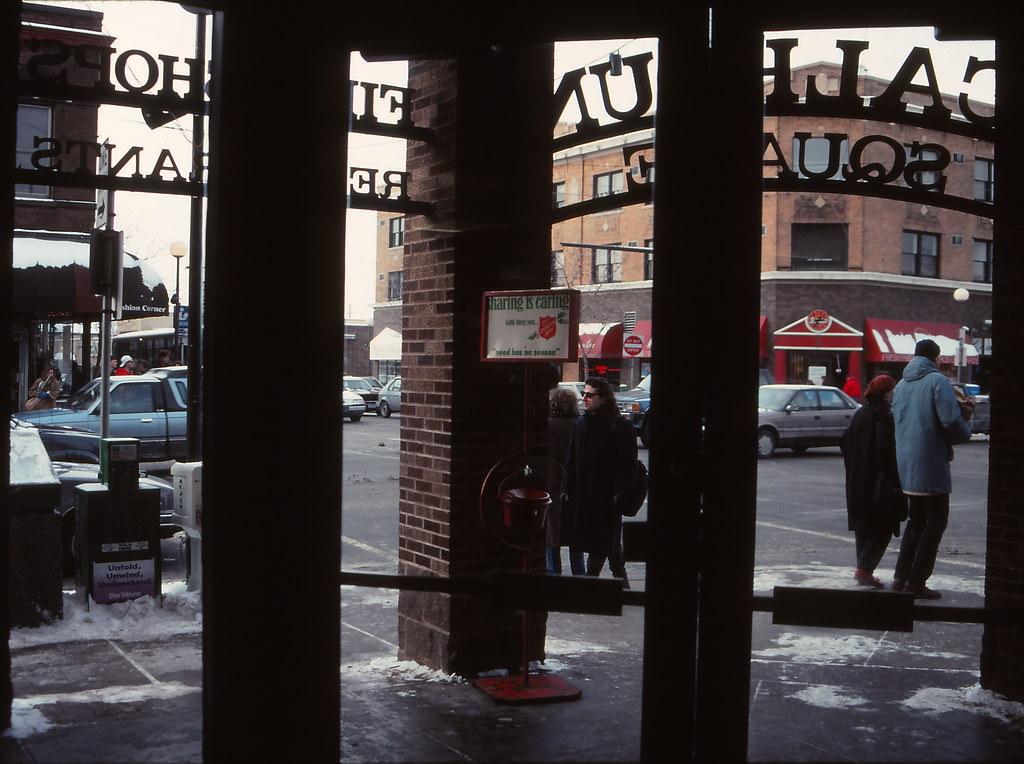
{"x":547,"y":327}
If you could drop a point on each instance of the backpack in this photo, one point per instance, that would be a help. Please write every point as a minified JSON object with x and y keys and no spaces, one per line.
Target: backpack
{"x":633,"y":499}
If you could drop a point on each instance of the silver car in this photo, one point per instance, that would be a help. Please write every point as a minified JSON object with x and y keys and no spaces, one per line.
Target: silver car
{"x":390,"y":398}
{"x":801,"y":416}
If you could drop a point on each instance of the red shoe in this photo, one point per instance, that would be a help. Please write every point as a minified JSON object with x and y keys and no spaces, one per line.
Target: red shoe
{"x":864,"y":578}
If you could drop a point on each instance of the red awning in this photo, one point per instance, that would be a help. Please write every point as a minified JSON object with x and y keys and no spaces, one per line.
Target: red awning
{"x":894,"y":340}
{"x":826,"y":333}
{"x":51,"y":280}
{"x":601,"y":340}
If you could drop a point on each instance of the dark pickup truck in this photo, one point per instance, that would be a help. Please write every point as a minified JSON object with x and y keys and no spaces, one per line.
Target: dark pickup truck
{"x":150,"y":407}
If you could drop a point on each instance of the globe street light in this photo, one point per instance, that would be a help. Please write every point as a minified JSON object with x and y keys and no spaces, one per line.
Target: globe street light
{"x":961,"y":296}
{"x":179,"y":249}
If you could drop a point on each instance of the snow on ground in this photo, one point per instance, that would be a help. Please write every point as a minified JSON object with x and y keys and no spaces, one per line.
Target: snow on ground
{"x":133,"y":621}
{"x":820,"y":576}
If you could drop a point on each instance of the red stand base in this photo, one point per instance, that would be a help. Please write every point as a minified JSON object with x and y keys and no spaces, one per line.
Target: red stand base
{"x":539,"y":688}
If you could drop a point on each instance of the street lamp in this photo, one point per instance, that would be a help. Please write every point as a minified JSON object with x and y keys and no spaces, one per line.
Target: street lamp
{"x":961,"y":296}
{"x":178,"y":249}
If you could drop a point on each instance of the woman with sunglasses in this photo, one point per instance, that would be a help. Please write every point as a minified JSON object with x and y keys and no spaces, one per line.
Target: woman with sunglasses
{"x":600,"y":466}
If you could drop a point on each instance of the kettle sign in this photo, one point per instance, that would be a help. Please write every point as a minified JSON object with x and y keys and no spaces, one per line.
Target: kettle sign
{"x":547,"y":326}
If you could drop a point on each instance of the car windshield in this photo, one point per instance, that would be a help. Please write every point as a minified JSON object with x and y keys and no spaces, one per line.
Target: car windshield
{"x":645,"y":384}
{"x":773,"y":398}
{"x":357,"y":384}
{"x":86,"y":397}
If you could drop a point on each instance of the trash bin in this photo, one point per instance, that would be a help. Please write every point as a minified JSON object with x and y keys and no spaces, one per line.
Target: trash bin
{"x":35,"y":548}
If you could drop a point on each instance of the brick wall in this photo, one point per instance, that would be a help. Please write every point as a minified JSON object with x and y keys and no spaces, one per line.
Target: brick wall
{"x":487,"y":173}
{"x":1002,"y":653}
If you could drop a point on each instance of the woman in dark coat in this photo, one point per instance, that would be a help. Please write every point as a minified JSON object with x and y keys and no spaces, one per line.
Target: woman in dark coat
{"x":875,"y":504}
{"x":600,"y":466}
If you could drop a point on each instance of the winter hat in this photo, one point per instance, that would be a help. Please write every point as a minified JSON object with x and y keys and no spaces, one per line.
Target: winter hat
{"x":927,"y":348}
{"x":881,"y":385}
{"x":125,"y":359}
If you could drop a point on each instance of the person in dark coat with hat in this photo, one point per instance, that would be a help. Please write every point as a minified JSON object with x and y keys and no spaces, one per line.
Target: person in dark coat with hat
{"x":875,"y":503}
{"x":600,"y":467}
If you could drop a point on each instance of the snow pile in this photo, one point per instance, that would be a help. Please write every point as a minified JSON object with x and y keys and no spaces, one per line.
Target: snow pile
{"x":394,"y":670}
{"x":30,"y":464}
{"x":826,"y":696}
{"x":133,"y":621}
{"x":973,"y":699}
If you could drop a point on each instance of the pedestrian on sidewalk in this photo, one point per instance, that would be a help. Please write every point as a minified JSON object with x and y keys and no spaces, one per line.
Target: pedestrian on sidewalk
{"x":929,"y":422}
{"x":600,"y":466}
{"x":875,"y":505}
{"x":561,"y":523}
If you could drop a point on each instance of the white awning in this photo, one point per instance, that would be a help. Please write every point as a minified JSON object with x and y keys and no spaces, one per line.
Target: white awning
{"x":386,"y":346}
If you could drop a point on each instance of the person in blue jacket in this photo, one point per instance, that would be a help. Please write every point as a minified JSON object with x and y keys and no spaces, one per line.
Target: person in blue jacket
{"x":929,"y":421}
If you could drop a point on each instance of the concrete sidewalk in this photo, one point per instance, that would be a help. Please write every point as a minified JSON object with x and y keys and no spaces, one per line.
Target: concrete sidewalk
{"x":816,"y":695}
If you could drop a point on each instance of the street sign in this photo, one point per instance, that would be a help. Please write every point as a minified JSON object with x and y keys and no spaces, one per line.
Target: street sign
{"x":633,"y":344}
{"x":182,"y":321}
{"x":103,"y":195}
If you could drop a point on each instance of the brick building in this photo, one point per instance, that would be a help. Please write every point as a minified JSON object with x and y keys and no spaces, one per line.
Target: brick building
{"x":41,"y":332}
{"x":848,"y":281}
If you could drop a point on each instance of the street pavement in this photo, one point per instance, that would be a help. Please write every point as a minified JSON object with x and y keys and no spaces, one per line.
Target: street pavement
{"x":123,"y":684}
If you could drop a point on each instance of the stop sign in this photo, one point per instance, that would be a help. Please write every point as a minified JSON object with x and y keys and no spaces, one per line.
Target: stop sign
{"x":633,"y":344}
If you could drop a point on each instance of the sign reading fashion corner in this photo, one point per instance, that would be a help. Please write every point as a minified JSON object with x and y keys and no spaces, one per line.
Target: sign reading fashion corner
{"x":540,"y":325}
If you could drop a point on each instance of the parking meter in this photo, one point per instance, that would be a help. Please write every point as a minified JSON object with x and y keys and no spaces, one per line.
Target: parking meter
{"x":118,"y":528}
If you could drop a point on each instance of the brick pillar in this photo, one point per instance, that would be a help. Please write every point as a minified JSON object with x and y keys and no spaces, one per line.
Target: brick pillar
{"x":488,"y":175}
{"x":1002,"y":650}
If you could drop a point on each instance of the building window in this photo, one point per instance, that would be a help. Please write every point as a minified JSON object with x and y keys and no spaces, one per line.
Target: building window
{"x":981,"y":264}
{"x":607,"y":266}
{"x":558,"y":268}
{"x":930,"y":177}
{"x":396,"y":232}
{"x":649,"y":260}
{"x":818,"y":247}
{"x":608,"y":183}
{"x":33,"y":122}
{"x":920,"y":254}
{"x":984,"y":180}
{"x":813,"y":156}
{"x":558,"y":194}
{"x":395,"y":285}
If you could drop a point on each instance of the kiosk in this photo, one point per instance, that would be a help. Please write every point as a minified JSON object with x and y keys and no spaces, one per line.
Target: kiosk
{"x":118,"y":528}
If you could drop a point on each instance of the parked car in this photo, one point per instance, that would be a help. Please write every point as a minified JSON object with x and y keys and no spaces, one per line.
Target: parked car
{"x":982,"y":415}
{"x":365,"y":389}
{"x":801,"y":417}
{"x":390,"y":398}
{"x":150,"y":407}
{"x":352,"y":405}
{"x":982,"y":407}
{"x":635,"y":405}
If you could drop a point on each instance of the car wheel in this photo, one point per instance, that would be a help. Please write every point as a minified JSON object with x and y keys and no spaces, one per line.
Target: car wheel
{"x":384,"y":409}
{"x":766,"y":443}
{"x":356,"y":417}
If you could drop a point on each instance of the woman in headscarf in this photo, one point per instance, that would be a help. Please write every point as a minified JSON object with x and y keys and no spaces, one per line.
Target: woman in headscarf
{"x":875,"y":504}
